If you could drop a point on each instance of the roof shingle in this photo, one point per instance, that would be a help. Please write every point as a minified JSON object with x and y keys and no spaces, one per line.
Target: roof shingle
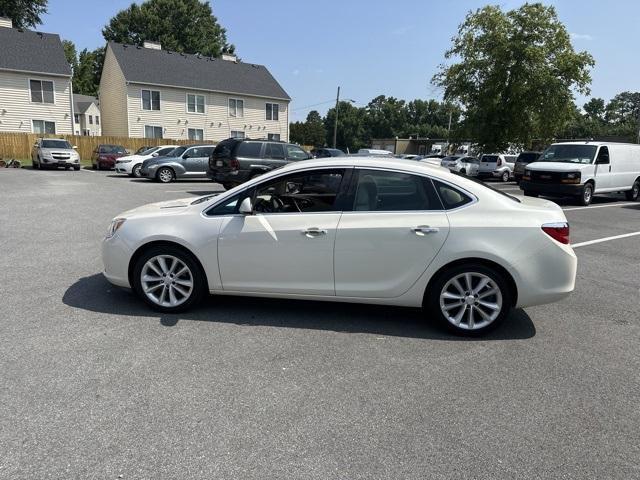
{"x":82,"y":102}
{"x":30,"y":51}
{"x":162,"y":67}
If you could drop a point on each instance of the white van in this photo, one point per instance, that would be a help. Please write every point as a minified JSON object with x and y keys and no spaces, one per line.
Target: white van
{"x":583,"y":169}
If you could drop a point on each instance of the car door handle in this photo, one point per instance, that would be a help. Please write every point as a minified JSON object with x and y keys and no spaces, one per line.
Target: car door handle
{"x":424,"y":229}
{"x":314,"y":232}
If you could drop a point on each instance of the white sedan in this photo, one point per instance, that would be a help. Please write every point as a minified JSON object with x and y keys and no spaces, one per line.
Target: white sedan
{"x":131,"y":164}
{"x":351,"y":229}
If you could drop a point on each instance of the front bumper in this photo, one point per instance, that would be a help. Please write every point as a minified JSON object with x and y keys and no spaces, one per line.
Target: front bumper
{"x":559,"y":189}
{"x":149,"y":171}
{"x":123,"y":167}
{"x":115,"y":258}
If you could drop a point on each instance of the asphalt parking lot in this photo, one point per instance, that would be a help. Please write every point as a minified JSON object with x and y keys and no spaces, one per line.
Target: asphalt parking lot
{"x":95,"y":385}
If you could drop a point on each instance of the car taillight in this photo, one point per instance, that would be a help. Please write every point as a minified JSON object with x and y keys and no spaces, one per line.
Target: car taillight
{"x":234,"y":164}
{"x":558,"y":231}
{"x":499,"y":162}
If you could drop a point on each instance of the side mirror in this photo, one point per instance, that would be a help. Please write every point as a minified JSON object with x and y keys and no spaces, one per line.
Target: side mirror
{"x":246,"y":208}
{"x":154,"y":154}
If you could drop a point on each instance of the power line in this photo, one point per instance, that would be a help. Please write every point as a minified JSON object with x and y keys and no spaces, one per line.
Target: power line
{"x":313,"y":105}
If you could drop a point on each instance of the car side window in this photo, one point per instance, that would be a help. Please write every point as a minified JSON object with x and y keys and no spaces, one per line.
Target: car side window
{"x":451,"y":197}
{"x":275,"y":151}
{"x":189,"y":153}
{"x":164,"y":151}
{"x":205,"y":151}
{"x":296,"y":153}
{"x":229,"y":206}
{"x":379,"y":190}
{"x":314,"y":191}
{"x":249,"y":149}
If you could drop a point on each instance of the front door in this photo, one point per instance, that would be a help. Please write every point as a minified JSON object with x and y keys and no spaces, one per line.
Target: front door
{"x":286,"y":246}
{"x":195,"y":160}
{"x":395,"y":230}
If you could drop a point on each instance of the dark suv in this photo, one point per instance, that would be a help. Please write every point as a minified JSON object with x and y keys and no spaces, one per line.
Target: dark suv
{"x":236,"y":160}
{"x":524,"y":159}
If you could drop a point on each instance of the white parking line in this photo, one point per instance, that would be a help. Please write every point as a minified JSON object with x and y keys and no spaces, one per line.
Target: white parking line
{"x":606,"y":239}
{"x":85,"y":170}
{"x":601,"y":206}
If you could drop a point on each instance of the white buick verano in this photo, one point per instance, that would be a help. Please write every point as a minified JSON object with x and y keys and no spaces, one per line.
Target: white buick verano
{"x":351,"y":229}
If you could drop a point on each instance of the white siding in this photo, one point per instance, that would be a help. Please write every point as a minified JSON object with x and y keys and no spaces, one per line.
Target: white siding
{"x":216,"y":122}
{"x":93,"y":128}
{"x":17,"y":111}
{"x":113,"y":98}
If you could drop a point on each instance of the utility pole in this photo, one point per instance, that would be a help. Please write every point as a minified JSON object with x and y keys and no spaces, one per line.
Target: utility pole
{"x":335,"y":124}
{"x":448,"y":131}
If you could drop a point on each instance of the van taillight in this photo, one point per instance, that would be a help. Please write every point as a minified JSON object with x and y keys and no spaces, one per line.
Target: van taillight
{"x":558,"y":231}
{"x":234,"y":164}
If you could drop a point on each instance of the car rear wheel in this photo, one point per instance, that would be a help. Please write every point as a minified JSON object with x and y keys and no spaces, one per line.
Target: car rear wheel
{"x":165,"y":175}
{"x":168,"y":279}
{"x":587,"y":195}
{"x":505,"y":177}
{"x":633,"y":194}
{"x":135,"y":172}
{"x":469,"y":299}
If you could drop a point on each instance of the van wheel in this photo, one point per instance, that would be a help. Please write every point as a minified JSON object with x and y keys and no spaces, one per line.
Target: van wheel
{"x":505,"y":176}
{"x":469,"y":299}
{"x":633,"y":194}
{"x":587,"y":195}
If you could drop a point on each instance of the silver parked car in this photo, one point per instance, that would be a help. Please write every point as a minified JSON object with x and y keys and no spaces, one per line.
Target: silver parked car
{"x":188,"y":161}
{"x":461,"y":164}
{"x":497,"y":165}
{"x":54,"y":153}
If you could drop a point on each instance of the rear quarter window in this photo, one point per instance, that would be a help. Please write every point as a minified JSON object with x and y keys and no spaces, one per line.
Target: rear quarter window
{"x":249,"y":149}
{"x":451,"y":197}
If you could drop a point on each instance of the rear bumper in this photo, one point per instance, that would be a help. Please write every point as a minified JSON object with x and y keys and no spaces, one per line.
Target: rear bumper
{"x":234,"y":177}
{"x":551,"y":188}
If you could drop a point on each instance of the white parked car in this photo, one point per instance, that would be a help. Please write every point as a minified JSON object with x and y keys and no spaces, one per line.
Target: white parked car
{"x":584,"y":169}
{"x":351,"y":229}
{"x":374,"y":151}
{"x":462,"y":164}
{"x":131,"y":164}
{"x":497,"y":165}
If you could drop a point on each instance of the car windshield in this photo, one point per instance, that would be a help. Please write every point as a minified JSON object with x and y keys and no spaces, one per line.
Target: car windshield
{"x":451,"y":158}
{"x":178,"y":151}
{"x":112,"y":149}
{"x":569,"y":154}
{"x":55,"y":144}
{"x":528,"y":157}
{"x":149,"y":151}
{"x":480,"y":182}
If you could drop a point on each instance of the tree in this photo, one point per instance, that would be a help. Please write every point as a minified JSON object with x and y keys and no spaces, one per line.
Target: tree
{"x":594,"y":109}
{"x":352,"y":132}
{"x":86,"y":76}
{"x":70,"y":54}
{"x":386,"y":117}
{"x":23,"y":13}
{"x":624,"y":108}
{"x":311,"y":132}
{"x":180,"y":25}
{"x":514,"y":75}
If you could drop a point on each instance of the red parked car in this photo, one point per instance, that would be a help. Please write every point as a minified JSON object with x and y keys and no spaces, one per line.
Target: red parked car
{"x":104,"y":156}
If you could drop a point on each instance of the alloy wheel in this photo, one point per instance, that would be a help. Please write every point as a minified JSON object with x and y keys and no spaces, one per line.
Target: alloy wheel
{"x":505,"y":177}
{"x":166,"y":280}
{"x":136,"y":171}
{"x":471,"y":301}
{"x":165,"y":175}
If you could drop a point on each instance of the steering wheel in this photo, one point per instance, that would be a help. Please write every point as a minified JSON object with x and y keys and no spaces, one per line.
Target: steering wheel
{"x":304,"y":202}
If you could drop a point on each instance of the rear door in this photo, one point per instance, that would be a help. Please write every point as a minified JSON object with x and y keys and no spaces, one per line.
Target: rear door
{"x":395,"y":229}
{"x":274,"y":155}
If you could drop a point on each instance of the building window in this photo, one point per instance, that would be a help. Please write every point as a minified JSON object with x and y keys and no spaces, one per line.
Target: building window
{"x":196,"y":134}
{"x":237,"y":134}
{"x":150,"y":99}
{"x":90,"y":120}
{"x":97,"y":120}
{"x":43,"y":127}
{"x":236,"y":108}
{"x":41,"y":91}
{"x":76,"y":117}
{"x":273,"y":136}
{"x":272,"y":110}
{"x":152,"y":131}
{"x":195,"y":103}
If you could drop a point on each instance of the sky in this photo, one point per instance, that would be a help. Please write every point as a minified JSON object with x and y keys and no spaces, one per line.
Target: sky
{"x":373,"y":47}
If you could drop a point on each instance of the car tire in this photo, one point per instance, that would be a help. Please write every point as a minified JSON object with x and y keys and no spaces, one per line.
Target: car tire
{"x":165,"y":175}
{"x":463,"y":171}
{"x":151,"y":275}
{"x":505,"y":176}
{"x":478,"y":310}
{"x":633,"y":194}
{"x":587,"y":195}
{"x":76,"y":168}
{"x":34,"y":165}
{"x":135,"y":171}
{"x":527,"y":193}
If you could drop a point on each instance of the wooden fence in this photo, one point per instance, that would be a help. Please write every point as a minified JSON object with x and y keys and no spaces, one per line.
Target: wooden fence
{"x":19,"y":145}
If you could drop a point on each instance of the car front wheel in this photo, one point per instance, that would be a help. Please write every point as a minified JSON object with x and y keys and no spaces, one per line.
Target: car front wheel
{"x":168,"y":279}
{"x":469,"y":299}
{"x":136,"y":171}
{"x":165,"y":175}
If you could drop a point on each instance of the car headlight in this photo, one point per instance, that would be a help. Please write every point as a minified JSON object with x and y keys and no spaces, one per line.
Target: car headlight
{"x":570,"y":177}
{"x":114,"y":226}
{"x":47,"y":155}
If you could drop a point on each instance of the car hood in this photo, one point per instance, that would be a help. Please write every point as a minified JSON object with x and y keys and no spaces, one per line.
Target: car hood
{"x":557,"y":166}
{"x":157,"y":160}
{"x":159,"y":208}
{"x":133,"y":157}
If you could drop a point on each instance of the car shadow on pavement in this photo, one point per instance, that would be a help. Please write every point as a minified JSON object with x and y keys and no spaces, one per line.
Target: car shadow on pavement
{"x":95,"y":294}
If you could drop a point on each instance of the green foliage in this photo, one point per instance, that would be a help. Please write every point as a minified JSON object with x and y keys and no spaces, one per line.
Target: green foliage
{"x":514,"y":75}
{"x":180,"y":25}
{"x":23,"y":13}
{"x":352,"y":129}
{"x":86,"y":76}
{"x":70,"y":53}
{"x":310,"y":132}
